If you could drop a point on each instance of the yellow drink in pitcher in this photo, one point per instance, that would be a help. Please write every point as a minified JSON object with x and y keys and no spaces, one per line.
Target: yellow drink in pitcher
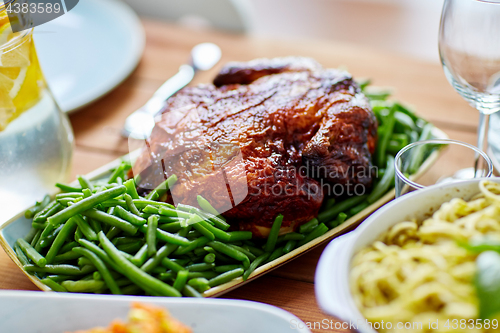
{"x":35,"y":136}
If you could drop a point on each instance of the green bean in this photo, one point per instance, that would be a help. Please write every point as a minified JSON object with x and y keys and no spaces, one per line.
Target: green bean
{"x":85,"y":183}
{"x":338,"y":221}
{"x":289,"y":246}
{"x":256,"y":263}
{"x":204,"y":231}
{"x":231,"y":252}
{"x":167,"y":276}
{"x":101,"y":268}
{"x":278,"y":252}
{"x":82,"y":261}
{"x":20,"y":255}
{"x":113,"y":203}
{"x":239,"y":235}
{"x":124,"y":240}
{"x":86,"y":204}
{"x":189,"y":291}
{"x":166,"y":211}
{"x":62,"y":269}
{"x":181,"y":280}
{"x":168,"y":237}
{"x":31,"y":234}
{"x":78,"y":235}
{"x":249,"y":254}
{"x":199,"y":242}
{"x":384,"y":184}
{"x":53,"y":285}
{"x":206,"y":206}
{"x":217,"y":221}
{"x":225,"y":277}
{"x":255,"y":250}
{"x":201,"y":267}
{"x":73,"y":195}
{"x":226,"y":268}
{"x":200,"y":284}
{"x":47,"y":241}
{"x":131,"y":189}
{"x":38,"y":226}
{"x":141,"y":256}
{"x":317,"y":232}
{"x":65,"y":257}
{"x":101,"y":254}
{"x":290,"y":236}
{"x":39,"y":206}
{"x":66,"y":201}
{"x":59,"y":278}
{"x":96,"y":225}
{"x":209,"y":258}
{"x":384,"y":137}
{"x":68,"y":228}
{"x":31,"y":253}
{"x":36,"y":238}
{"x":164,"y":186}
{"x":151,"y":234}
{"x":204,"y":274}
{"x":329,"y":214}
{"x":157,"y":259}
{"x":68,"y":246}
{"x":128,"y":216}
{"x":84,"y":227}
{"x":48,"y":211}
{"x":135,"y":274}
{"x":142,"y":203}
{"x":150,"y":209}
{"x":130,"y":204}
{"x":358,"y":208}
{"x":86,"y":193}
{"x":171,"y":227}
{"x":113,"y":232}
{"x":132,"y":290}
{"x":329,"y":203}
{"x":307,"y":227}
{"x":218,"y":233}
{"x":111,"y":220}
{"x":130,"y":247}
{"x":418,"y":154}
{"x":82,"y":286}
{"x":67,"y":188}
{"x":273,"y":234}
{"x":116,"y":173}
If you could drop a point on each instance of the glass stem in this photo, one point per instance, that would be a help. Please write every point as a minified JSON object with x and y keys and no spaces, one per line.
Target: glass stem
{"x":482,"y":139}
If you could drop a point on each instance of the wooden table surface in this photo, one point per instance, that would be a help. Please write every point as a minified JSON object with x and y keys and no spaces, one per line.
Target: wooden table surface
{"x":98,"y":141}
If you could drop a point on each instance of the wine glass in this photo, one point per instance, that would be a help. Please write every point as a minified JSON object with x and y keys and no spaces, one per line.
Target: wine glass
{"x":470,"y":53}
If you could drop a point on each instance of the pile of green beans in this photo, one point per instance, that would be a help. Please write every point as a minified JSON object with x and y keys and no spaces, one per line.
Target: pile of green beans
{"x":102,"y":237}
{"x":105,"y":238}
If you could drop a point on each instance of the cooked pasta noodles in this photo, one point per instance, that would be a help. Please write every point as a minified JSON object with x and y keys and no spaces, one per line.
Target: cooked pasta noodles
{"x":418,"y":272}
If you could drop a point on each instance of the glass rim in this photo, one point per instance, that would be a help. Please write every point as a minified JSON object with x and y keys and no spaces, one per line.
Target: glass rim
{"x":408,"y":181}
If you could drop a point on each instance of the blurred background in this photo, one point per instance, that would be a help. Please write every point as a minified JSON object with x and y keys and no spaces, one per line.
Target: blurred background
{"x":404,"y":26}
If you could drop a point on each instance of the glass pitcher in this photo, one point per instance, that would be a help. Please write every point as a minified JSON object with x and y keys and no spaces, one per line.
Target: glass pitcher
{"x":36,"y":139}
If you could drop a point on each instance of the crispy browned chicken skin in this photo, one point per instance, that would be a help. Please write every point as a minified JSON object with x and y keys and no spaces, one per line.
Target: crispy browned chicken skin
{"x":262,"y":140}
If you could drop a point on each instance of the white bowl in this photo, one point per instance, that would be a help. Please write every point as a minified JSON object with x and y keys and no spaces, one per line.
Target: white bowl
{"x":25,"y":311}
{"x":332,"y":274}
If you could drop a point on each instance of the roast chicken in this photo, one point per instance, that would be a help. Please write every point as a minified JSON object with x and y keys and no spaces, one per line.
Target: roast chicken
{"x":268,"y":137}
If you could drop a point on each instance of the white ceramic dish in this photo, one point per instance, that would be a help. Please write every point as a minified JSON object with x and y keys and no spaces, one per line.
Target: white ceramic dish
{"x":90,"y":50}
{"x":332,"y":274}
{"x":53,"y":312}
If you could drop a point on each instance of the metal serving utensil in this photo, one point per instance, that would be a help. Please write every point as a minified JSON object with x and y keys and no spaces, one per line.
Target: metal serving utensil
{"x":140,"y":123}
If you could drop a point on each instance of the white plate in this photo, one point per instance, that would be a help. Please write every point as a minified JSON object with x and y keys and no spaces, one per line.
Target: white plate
{"x":332,"y":273}
{"x":53,"y":312}
{"x":89,"y":51}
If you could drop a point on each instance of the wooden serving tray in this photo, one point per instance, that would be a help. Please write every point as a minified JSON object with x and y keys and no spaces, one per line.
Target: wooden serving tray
{"x":19,"y":226}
